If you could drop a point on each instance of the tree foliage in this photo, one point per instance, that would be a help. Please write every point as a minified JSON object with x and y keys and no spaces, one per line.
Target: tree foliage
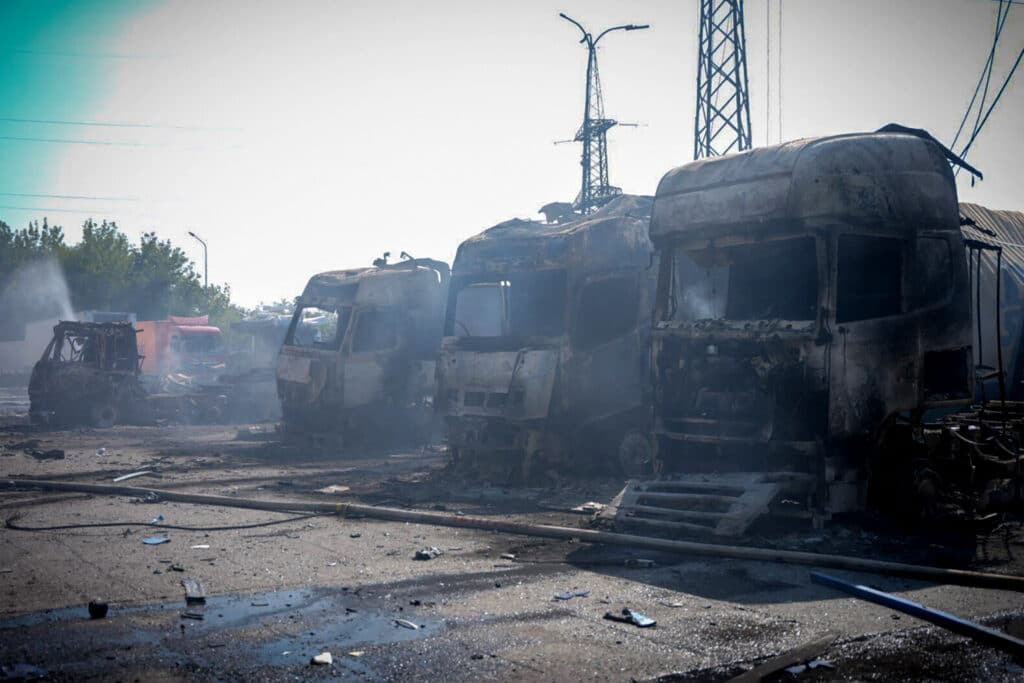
{"x":105,"y":271}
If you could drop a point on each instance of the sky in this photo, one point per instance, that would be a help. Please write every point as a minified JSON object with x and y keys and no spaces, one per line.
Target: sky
{"x":312,"y":135}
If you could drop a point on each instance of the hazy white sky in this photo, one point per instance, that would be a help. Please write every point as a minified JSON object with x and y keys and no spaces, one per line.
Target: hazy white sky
{"x":333,"y":131}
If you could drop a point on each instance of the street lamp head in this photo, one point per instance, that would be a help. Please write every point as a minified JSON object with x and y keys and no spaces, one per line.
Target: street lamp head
{"x":637,"y":27}
{"x":193,"y":234}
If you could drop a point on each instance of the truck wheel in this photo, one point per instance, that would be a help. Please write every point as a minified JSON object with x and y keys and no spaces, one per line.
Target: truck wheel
{"x":635,"y":455}
{"x":103,"y":415}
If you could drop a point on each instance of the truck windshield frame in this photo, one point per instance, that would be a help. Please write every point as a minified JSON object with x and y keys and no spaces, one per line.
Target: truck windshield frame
{"x":514,"y":304}
{"x":772,"y":280}
{"x":318,"y":327}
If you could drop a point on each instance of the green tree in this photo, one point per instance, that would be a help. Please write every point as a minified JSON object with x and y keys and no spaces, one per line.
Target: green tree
{"x":105,"y":271}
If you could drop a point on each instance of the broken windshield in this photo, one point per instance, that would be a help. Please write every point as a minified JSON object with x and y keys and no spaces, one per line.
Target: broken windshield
{"x":319,"y":328}
{"x":764,"y":281}
{"x":525,"y":304}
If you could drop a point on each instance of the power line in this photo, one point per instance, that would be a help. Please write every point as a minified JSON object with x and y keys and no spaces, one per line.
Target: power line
{"x":70,"y":196}
{"x":76,"y":142}
{"x":44,"y":209}
{"x":80,"y":55}
{"x":58,"y":122}
{"x":993,"y":105}
{"x":1000,"y":22}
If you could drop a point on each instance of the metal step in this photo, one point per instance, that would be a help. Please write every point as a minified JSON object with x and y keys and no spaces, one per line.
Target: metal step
{"x":705,"y":504}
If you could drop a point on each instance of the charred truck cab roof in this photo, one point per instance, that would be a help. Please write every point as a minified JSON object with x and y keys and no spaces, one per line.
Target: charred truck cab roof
{"x":360,"y":351}
{"x":545,"y":337}
{"x":808,"y":294}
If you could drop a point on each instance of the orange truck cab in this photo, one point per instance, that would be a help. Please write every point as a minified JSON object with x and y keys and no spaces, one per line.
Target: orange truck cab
{"x":180,"y":345}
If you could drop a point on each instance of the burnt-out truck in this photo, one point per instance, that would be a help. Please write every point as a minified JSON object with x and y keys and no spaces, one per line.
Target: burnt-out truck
{"x":813,"y":306}
{"x":358,"y":361}
{"x":88,"y":374}
{"x":543,"y":362}
{"x":91,"y":373}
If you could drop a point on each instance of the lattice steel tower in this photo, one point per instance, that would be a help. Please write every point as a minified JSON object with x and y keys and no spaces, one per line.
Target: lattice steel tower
{"x":722,"y":124}
{"x":595,"y":189}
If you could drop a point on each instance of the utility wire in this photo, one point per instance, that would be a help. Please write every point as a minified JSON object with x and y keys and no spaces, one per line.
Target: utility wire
{"x":1000,"y":22}
{"x":111,"y":124}
{"x":81,"y":55}
{"x":64,"y":141}
{"x":988,"y":113}
{"x":779,"y":50}
{"x":70,"y":196}
{"x":44,"y":209}
{"x":987,"y":68}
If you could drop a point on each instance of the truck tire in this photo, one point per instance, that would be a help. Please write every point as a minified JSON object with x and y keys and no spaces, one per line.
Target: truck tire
{"x":103,"y":414}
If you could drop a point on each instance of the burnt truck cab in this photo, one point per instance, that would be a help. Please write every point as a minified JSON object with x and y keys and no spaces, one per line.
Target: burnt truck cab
{"x":810,"y":294}
{"x":544,"y":355}
{"x":88,"y":374}
{"x":358,"y":360}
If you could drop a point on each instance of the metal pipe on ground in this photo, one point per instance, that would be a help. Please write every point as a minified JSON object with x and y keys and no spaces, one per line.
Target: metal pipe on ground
{"x":960,"y":577}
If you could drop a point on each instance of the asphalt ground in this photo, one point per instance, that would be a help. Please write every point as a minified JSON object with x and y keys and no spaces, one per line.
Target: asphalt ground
{"x":281,"y":593}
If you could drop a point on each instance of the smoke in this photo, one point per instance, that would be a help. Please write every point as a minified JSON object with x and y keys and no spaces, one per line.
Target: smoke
{"x":36,"y":291}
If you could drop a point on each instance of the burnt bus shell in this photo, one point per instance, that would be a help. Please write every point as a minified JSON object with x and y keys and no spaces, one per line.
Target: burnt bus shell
{"x":857,"y":238}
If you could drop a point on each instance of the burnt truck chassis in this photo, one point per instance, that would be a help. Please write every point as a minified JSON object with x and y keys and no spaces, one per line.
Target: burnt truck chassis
{"x":337,"y":395}
{"x":843,"y":381}
{"x":544,"y":392}
{"x":90,"y":375}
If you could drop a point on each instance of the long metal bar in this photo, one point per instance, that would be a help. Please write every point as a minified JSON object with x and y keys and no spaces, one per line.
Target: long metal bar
{"x":982,"y":634}
{"x":937,"y":574}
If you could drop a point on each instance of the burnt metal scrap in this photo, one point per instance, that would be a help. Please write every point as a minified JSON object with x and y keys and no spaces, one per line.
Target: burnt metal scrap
{"x":543,"y":362}
{"x":357,"y":364}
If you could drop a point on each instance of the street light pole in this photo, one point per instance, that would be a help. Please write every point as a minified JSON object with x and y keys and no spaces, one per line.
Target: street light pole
{"x":596,"y":188}
{"x":206,"y":279}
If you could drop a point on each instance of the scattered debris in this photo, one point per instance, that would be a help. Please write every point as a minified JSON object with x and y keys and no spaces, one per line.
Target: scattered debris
{"x":332,"y":564}
{"x":201,"y":546}
{"x":428,"y":553}
{"x":323,"y":659}
{"x":150,"y":497}
{"x":334,"y":488}
{"x":156,"y":520}
{"x":195,"y":594}
{"x":589,"y":508}
{"x":98,"y":608}
{"x":786,"y":660}
{"x":126,"y":477}
{"x":629,"y":616}
{"x":197,"y":616}
{"x":674,"y":605}
{"x":101,"y":452}
{"x":982,"y":634}
{"x":260,"y":604}
{"x":156,"y":540}
{"x":355,"y":534}
{"x":22,"y":672}
{"x":53,"y":454}
{"x":356,"y":653}
{"x":507,"y":556}
{"x":407,"y":624}
{"x":641,"y":564}
{"x":798,"y":669}
{"x":176,"y":568}
{"x":569,"y":595}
